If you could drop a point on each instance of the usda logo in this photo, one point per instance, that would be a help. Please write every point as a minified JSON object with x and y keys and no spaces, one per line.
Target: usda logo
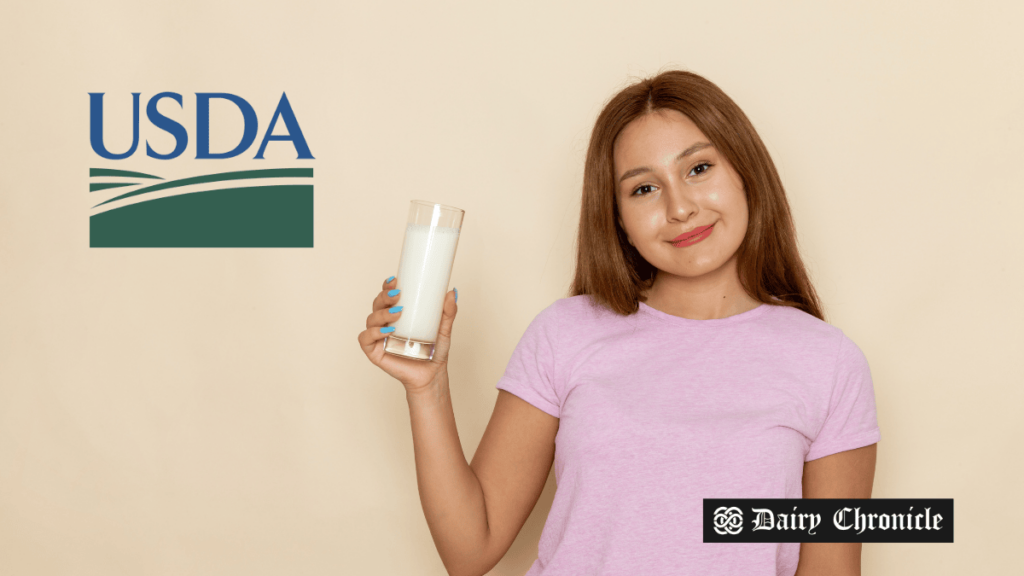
{"x":258,"y":207}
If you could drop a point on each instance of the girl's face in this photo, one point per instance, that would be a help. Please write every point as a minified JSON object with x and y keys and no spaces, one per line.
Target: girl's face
{"x":671,"y":182}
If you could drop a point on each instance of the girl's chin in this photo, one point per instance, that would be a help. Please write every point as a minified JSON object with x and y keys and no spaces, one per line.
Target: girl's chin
{"x":689,"y":272}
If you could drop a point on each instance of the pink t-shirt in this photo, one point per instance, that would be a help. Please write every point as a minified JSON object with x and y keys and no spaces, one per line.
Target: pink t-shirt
{"x":658,"y":412}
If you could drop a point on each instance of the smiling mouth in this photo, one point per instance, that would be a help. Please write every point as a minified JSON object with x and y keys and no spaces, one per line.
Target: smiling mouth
{"x":696,"y":236}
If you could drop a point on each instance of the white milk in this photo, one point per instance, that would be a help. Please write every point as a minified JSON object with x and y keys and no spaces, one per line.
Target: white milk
{"x":423,"y":273}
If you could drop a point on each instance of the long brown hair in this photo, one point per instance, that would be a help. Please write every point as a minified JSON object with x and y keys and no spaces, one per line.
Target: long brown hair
{"x":615,"y":274}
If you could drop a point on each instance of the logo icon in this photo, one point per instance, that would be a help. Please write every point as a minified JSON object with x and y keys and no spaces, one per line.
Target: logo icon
{"x":246,"y":208}
{"x":728,"y":520}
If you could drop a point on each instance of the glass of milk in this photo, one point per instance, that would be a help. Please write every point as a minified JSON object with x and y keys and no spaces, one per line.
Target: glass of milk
{"x":424,"y":270}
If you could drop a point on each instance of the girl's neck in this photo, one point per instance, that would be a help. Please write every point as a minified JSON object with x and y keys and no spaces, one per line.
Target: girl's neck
{"x":699,"y":304}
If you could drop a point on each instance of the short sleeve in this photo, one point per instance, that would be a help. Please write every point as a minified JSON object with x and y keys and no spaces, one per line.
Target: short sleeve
{"x":530,"y":373}
{"x":852,"y":421}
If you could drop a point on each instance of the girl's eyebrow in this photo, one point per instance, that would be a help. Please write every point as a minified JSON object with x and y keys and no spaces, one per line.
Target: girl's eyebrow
{"x":683,"y":154}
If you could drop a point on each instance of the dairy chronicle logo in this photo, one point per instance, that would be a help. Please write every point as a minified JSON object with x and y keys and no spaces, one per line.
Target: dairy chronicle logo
{"x":728,"y":520}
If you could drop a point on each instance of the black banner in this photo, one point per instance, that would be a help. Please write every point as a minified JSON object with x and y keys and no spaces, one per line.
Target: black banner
{"x":828,"y":520}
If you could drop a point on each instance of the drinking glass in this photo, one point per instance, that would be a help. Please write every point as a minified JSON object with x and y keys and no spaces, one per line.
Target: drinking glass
{"x":428,"y":252}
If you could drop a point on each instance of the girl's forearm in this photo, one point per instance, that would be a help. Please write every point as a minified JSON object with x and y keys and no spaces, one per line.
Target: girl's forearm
{"x":450,"y":492}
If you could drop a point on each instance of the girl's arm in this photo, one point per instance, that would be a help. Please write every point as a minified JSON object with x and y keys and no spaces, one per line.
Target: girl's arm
{"x":848,"y":474}
{"x":474,"y":512}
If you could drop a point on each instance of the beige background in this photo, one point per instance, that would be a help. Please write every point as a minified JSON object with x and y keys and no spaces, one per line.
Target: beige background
{"x":208,"y":411}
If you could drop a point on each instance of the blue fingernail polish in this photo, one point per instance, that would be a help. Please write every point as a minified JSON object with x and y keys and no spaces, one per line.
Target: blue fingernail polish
{"x":387,"y":330}
{"x":394,"y":292}
{"x":389,"y":279}
{"x":456,"y":294}
{"x":394,"y":309}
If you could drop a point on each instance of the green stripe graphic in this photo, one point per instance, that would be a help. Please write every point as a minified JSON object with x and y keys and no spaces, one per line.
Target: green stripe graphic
{"x":241,"y":175}
{"x":105,"y":185}
{"x":278,"y":216}
{"x":112,"y":172}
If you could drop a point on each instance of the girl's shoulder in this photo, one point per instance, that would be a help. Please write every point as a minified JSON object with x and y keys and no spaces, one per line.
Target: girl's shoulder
{"x":584,"y":308}
{"x":575,"y":314}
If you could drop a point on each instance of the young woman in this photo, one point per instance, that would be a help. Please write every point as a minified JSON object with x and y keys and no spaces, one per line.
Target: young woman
{"x":692,"y":360}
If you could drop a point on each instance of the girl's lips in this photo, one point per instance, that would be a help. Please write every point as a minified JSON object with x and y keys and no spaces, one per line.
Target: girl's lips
{"x":693,"y":236}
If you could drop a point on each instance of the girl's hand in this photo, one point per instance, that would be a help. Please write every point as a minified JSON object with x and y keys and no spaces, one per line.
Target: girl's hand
{"x":415,"y":375}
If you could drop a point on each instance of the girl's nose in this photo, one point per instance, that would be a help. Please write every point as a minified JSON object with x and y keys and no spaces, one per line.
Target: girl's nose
{"x":678,"y":203}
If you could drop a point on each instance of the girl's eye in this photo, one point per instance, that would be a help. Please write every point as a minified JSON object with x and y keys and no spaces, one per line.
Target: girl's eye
{"x":704,"y":165}
{"x":640,"y":188}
